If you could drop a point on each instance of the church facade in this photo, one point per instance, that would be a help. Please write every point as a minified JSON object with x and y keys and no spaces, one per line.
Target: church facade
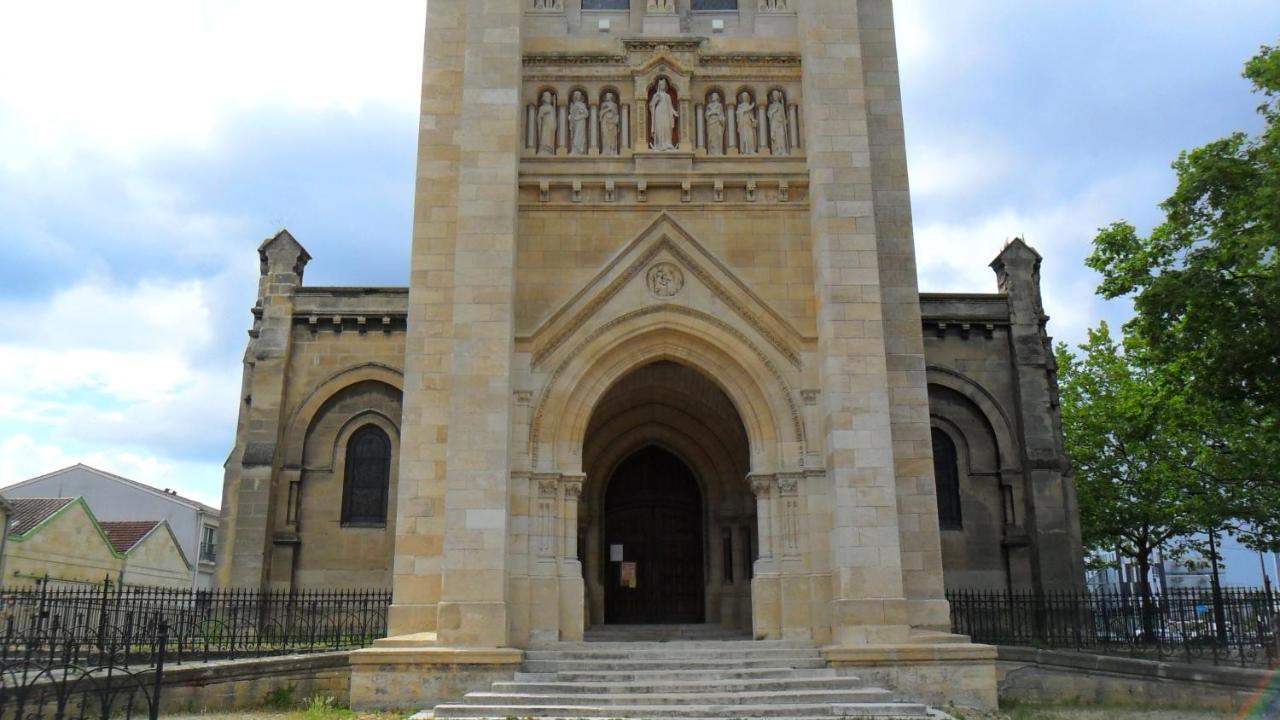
{"x":662,"y":357}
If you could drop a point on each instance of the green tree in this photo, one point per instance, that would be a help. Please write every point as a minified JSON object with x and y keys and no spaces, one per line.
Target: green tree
{"x":1131,"y":478}
{"x":1205,"y":285}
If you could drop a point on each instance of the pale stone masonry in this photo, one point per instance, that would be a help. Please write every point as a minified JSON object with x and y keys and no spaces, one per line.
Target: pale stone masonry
{"x":669,"y":371}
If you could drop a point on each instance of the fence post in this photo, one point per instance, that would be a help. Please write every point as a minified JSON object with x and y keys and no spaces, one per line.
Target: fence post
{"x":159,"y":677}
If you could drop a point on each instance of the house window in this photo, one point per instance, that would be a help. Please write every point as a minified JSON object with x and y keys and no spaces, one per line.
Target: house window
{"x":368,"y":474}
{"x":946,"y":475}
{"x":208,"y":545}
{"x":718,"y":5}
{"x":606,"y":4}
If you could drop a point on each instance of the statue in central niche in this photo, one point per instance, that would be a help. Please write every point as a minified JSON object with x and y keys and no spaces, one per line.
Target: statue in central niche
{"x":747,"y":125}
{"x":715,"y":125}
{"x":609,"y":118}
{"x":578,"y":114}
{"x":663,"y":114}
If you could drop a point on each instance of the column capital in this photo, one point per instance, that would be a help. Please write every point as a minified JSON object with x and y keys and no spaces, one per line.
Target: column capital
{"x":761,"y":484}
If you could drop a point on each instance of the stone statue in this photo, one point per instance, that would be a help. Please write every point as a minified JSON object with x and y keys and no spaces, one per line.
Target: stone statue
{"x":662,"y":113}
{"x":662,"y":6}
{"x":715,"y":125}
{"x":578,"y":114}
{"x":777,"y":124}
{"x":547,"y":125}
{"x":746,"y":124}
{"x":609,"y":117}
{"x":773,"y":5}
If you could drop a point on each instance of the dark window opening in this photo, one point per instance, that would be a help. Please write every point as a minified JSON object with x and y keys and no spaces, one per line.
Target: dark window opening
{"x":726,"y":544}
{"x":367,"y":477}
{"x":726,"y":5}
{"x":606,"y":4}
{"x":946,"y":475}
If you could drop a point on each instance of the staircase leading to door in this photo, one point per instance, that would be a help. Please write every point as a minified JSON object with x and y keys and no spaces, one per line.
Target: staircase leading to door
{"x":678,"y":671}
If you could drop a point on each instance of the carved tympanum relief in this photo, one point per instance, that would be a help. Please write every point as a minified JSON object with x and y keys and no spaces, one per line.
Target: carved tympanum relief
{"x":665,"y":280}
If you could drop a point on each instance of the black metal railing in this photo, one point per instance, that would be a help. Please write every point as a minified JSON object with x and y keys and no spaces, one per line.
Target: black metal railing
{"x":202,"y":625}
{"x":1237,"y":626}
{"x":49,"y":673}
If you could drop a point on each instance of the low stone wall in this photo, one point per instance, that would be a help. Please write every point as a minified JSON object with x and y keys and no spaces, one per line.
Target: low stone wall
{"x":1031,"y":675}
{"x":234,"y":684}
{"x":396,"y":673}
{"x":951,"y":673}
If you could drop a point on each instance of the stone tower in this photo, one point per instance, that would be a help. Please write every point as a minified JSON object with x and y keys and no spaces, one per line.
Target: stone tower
{"x":703,"y":201}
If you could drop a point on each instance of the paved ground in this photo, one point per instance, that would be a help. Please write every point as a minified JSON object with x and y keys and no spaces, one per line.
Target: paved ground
{"x":1092,"y":713}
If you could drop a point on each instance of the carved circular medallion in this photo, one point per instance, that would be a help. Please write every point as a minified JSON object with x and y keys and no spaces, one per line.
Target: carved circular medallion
{"x":665,"y":280}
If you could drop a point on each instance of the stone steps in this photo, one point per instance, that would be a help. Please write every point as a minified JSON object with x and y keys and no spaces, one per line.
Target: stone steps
{"x":689,"y":679}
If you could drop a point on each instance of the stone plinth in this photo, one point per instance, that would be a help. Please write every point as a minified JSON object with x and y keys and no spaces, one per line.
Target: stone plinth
{"x":939,"y":673}
{"x":407,"y":671}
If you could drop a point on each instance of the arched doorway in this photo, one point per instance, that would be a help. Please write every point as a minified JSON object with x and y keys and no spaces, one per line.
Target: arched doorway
{"x":653,"y":536}
{"x":666,"y":459}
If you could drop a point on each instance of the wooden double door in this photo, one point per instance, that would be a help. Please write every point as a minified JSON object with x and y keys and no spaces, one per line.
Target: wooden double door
{"x":653,"y":542}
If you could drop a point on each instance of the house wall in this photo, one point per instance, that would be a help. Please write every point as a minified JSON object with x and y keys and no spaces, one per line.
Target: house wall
{"x":157,"y":562}
{"x":112,"y":500}
{"x":69,"y":547}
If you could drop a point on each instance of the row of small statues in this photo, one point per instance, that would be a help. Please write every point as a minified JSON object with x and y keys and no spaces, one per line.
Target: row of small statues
{"x":663,"y":117}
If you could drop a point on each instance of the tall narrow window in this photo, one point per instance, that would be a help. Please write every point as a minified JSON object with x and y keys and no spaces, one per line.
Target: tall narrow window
{"x":368,"y":473}
{"x":946,"y":475}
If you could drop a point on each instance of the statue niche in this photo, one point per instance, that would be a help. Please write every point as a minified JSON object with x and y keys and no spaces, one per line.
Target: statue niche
{"x":715,"y":125}
{"x":777,"y":114}
{"x":547,"y":124}
{"x":664,"y":130}
{"x":610,"y":119}
{"x":747,"y":124}
{"x":578,"y":115}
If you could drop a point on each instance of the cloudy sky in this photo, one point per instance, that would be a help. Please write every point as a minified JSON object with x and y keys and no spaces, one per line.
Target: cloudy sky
{"x":147,"y":146}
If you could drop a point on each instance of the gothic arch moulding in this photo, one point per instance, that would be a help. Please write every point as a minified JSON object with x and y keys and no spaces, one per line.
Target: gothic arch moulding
{"x":302,"y":416}
{"x":726,"y":356}
{"x":985,"y":405}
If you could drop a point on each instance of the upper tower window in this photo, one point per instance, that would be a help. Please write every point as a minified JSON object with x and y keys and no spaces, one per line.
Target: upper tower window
{"x":368,"y":474}
{"x":606,"y":4}
{"x":721,"y":5}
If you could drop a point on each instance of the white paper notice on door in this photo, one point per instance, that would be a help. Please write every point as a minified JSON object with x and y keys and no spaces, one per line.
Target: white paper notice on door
{"x":615,"y":553}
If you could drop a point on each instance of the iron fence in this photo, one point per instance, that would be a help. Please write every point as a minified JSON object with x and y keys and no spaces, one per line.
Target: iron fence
{"x":1236,"y":626}
{"x":201,"y":624}
{"x":49,"y":673}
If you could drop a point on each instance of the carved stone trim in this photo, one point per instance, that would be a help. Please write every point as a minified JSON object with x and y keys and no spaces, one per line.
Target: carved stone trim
{"x":749,"y":59}
{"x":616,"y":285}
{"x":788,"y":483}
{"x":797,"y":422}
{"x":760,"y":485}
{"x":574,"y":59}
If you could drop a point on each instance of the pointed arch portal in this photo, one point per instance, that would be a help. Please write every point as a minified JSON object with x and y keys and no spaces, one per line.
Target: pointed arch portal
{"x":668,"y":523}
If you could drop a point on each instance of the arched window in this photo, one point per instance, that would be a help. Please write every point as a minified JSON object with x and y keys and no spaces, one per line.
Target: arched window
{"x":946,"y":476}
{"x":368,"y":475}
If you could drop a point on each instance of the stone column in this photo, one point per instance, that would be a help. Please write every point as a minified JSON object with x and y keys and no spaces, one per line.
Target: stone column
{"x":545,"y":540}
{"x":451,"y":529}
{"x":762,"y":129}
{"x":793,"y":126}
{"x":868,"y":604}
{"x":593,"y":130}
{"x":1052,"y":513}
{"x":572,"y":586}
{"x":700,"y":130}
{"x":731,"y":129}
{"x":248,"y":497}
{"x":531,"y":128}
{"x":686,"y":127}
{"x":562,"y":129}
{"x":624,"y":141}
{"x":766,"y":610}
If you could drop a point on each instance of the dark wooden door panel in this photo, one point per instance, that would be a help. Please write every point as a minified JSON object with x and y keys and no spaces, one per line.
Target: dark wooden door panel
{"x":654,"y":510}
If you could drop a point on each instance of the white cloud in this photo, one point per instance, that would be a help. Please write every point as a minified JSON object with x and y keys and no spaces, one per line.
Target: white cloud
{"x":128,"y":373}
{"x":23,"y":457}
{"x":123,"y":77}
